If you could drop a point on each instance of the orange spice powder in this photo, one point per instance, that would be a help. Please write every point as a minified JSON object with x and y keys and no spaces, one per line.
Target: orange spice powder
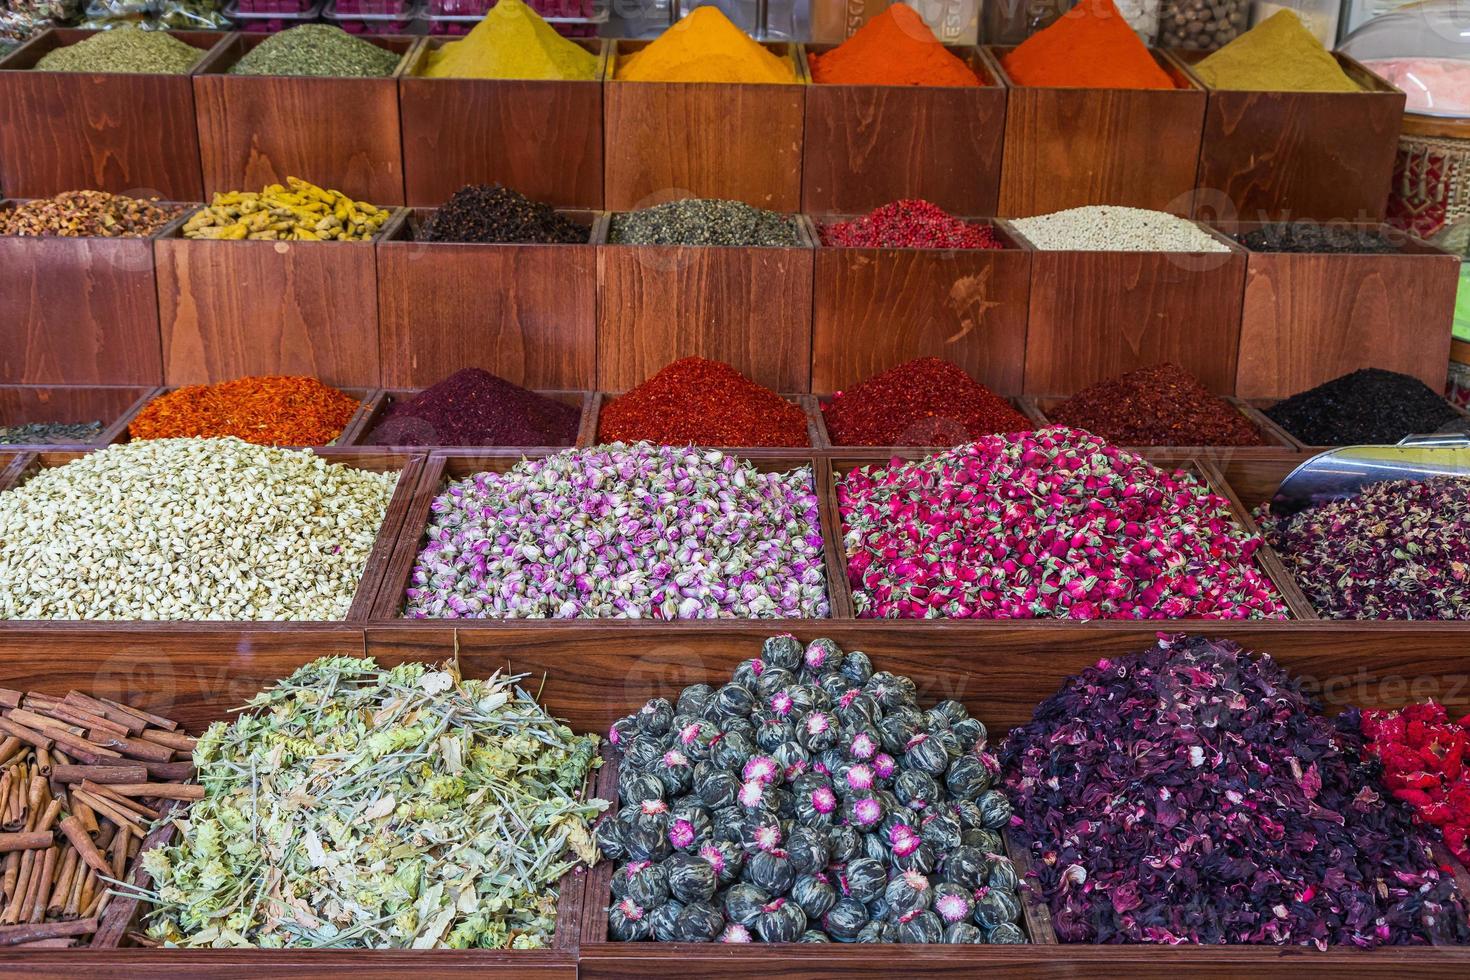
{"x":1090,"y":46}
{"x":894,"y":48}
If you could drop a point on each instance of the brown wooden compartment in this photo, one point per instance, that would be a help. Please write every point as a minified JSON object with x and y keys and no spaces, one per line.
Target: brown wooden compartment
{"x":749,"y":307}
{"x":1310,"y":317}
{"x":875,"y":308}
{"x":527,"y":313}
{"x":366,"y":399}
{"x":1320,"y":155}
{"x":1096,"y":315}
{"x":113,"y":406}
{"x":234,"y":308}
{"x":814,"y":432}
{"x":867,"y":145}
{"x":543,"y":138}
{"x":342,"y":133}
{"x":373,"y":414}
{"x":408,"y":466}
{"x":442,"y":467}
{"x":666,"y":140}
{"x":124,"y":133}
{"x":1068,"y":147}
{"x":1277,"y":438}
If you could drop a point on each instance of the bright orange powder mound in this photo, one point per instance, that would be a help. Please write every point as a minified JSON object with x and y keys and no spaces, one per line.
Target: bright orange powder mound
{"x":894,"y":48}
{"x":1090,"y":46}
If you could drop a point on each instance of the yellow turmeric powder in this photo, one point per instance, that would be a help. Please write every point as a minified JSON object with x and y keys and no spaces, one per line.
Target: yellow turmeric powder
{"x":512,"y":42}
{"x":705,"y":47}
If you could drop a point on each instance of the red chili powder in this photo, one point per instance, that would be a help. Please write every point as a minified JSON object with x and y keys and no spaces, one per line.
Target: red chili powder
{"x":908,"y":224}
{"x":896,"y":47}
{"x":926,"y":402}
{"x":269,"y":411}
{"x":704,"y":403}
{"x":1163,"y":405}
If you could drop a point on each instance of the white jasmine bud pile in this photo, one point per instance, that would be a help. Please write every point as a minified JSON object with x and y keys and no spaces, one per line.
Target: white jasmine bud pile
{"x":189,"y":529}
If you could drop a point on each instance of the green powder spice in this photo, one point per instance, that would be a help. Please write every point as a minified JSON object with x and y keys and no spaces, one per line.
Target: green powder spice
{"x":319,"y":50}
{"x":124,"y":49}
{"x":696,"y":222}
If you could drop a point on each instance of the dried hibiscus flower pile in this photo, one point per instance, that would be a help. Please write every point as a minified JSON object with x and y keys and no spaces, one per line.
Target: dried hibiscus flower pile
{"x":1400,"y":549}
{"x":1055,"y":523}
{"x":1192,"y":793}
{"x":1422,"y":750}
{"x":810,"y":799}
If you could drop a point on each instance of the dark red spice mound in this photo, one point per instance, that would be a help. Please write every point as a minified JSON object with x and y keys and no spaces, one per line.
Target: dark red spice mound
{"x":908,"y":224}
{"x":1163,"y":405}
{"x":926,"y":402}
{"x":1422,"y":750}
{"x":475,"y":408}
{"x":1193,"y":793}
{"x":702,"y":403}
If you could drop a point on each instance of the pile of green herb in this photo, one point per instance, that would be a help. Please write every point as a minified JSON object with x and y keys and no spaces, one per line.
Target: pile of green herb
{"x":370,"y":808}
{"x":317,"y":49}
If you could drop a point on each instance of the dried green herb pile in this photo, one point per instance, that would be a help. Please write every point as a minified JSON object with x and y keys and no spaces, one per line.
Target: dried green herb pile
{"x":704,"y":222}
{"x":129,"y":50}
{"x":42,"y":433}
{"x":317,"y":49}
{"x":361,"y":807}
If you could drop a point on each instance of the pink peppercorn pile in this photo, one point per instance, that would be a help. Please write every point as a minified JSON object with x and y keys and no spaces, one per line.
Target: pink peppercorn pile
{"x":908,"y":224}
{"x":1051,"y":524}
{"x":925,"y":402}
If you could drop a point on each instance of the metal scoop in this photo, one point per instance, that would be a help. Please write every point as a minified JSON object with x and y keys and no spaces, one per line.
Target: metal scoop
{"x":1343,"y":472}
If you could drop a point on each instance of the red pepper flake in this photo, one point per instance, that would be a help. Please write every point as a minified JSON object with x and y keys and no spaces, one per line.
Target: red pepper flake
{"x":268,"y":411}
{"x":925,"y":402}
{"x":1163,"y":405}
{"x":703,"y":403}
{"x":1422,"y":751}
{"x":909,"y":224}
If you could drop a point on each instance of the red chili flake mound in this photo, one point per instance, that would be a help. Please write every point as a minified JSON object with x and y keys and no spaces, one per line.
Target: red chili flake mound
{"x":475,"y":408}
{"x":926,"y":402}
{"x":908,"y":224}
{"x":268,"y":411}
{"x":1422,"y":751}
{"x":702,"y":403}
{"x":1163,"y":405}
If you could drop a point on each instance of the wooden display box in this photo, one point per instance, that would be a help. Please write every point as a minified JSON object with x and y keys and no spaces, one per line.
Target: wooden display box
{"x":875,"y":308}
{"x":667,"y":140}
{"x":749,"y":307}
{"x":406,"y":465}
{"x":375,"y":411}
{"x":815,"y":432}
{"x":527,"y":313}
{"x":1096,"y":315}
{"x":1312,"y":317}
{"x":1023,"y":405}
{"x":367,"y":398}
{"x":124,"y":133}
{"x":1322,"y":155}
{"x":1277,"y":438}
{"x":1069,"y":147}
{"x":443,"y":467}
{"x":113,"y":406}
{"x":235,"y":308}
{"x":79,"y":310}
{"x":867,"y":145}
{"x":341,"y":133}
{"x":543,"y":138}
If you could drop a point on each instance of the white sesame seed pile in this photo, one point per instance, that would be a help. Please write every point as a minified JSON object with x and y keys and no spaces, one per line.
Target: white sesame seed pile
{"x":189,"y":529}
{"x":1104,"y":228}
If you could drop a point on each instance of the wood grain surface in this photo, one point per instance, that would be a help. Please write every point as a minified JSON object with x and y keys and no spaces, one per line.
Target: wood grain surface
{"x":667,"y":140}
{"x":1309,"y":318}
{"x":64,"y":131}
{"x":748,"y":307}
{"x":1066,"y":148}
{"x":873,"y":309}
{"x":544,"y":138}
{"x":1322,"y":155}
{"x":341,"y":133}
{"x":527,"y":313}
{"x":113,"y":406}
{"x":868,"y":145}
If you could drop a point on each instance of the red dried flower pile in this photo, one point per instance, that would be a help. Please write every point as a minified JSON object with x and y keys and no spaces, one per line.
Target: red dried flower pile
{"x":1422,"y":750}
{"x":699,"y":402}
{"x":924,"y":402}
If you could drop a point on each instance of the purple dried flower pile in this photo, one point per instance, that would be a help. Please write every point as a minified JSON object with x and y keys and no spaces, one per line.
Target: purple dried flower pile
{"x":810,"y":799}
{"x":1192,"y":793}
{"x":1398,"y":550}
{"x":640,"y":531}
{"x":1055,"y":523}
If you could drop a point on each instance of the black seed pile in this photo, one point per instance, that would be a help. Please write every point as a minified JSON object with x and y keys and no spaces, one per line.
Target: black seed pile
{"x":492,"y":214}
{"x":1366,"y":407}
{"x":49,"y":433}
{"x":697,"y":222}
{"x":1314,"y":237}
